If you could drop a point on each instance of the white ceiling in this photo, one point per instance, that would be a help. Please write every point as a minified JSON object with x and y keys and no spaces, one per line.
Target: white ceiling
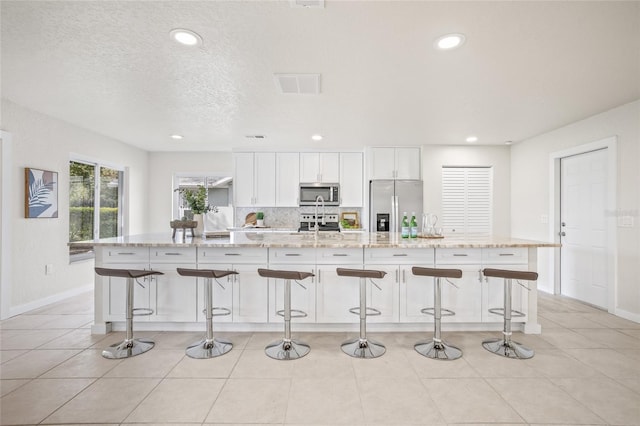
{"x":526,"y":68}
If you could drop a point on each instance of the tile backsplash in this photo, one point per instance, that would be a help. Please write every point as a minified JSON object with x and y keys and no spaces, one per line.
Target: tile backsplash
{"x":284,"y":217}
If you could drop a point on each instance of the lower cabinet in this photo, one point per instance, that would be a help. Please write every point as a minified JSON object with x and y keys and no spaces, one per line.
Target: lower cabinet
{"x":115,"y":292}
{"x":383,"y":295}
{"x":250,"y":294}
{"x":493,"y":288}
{"x":336,"y":295}
{"x":173,"y":297}
{"x":303,"y":294}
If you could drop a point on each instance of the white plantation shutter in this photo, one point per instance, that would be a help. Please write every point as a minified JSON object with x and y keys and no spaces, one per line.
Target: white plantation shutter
{"x":467,"y":194}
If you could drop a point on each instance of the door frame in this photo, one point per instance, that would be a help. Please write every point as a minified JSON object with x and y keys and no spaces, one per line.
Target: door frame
{"x":6,"y":219}
{"x":610,"y":144}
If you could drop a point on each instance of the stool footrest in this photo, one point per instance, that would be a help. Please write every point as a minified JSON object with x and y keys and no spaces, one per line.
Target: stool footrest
{"x":371,"y":312}
{"x":443,"y":312}
{"x":500,"y":311}
{"x":142,"y":312}
{"x":223,"y":311}
{"x":295,"y":313}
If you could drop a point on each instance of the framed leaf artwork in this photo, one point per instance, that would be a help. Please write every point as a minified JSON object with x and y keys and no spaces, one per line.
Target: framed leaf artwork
{"x":40,"y":193}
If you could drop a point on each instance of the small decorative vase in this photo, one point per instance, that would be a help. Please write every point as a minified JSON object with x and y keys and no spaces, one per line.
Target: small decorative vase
{"x":199,"y":229}
{"x":260,"y":222}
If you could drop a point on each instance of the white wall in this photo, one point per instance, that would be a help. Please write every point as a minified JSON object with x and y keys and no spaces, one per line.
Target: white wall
{"x":530,"y":192}
{"x":162,"y":167}
{"x":44,"y":142}
{"x":436,"y":156}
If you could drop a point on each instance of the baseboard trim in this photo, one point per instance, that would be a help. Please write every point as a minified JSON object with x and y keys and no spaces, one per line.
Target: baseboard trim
{"x":21,"y":309}
{"x":628,"y":315}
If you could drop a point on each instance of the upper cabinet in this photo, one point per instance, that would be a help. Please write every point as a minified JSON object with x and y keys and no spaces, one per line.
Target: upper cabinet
{"x":287,"y":183}
{"x":254,"y":179}
{"x":395,"y":163}
{"x":319,"y":167}
{"x":351,"y":179}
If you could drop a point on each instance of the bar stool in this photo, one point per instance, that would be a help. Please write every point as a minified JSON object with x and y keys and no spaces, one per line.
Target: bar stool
{"x":363,"y":347}
{"x":209,"y":347}
{"x":505,"y":346}
{"x":129,"y":346}
{"x":287,"y":348}
{"x":436,"y":348}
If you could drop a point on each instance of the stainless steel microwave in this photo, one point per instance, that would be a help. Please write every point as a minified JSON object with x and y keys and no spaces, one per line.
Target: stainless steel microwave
{"x":309,"y":193}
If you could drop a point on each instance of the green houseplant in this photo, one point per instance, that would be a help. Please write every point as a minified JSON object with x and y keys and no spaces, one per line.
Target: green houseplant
{"x":196,"y":199}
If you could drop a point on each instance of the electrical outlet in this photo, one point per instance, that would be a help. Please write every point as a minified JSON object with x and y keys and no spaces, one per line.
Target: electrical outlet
{"x":48,"y":269}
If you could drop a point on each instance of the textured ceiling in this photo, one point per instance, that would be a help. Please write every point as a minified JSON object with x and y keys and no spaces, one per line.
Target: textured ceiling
{"x":526,"y":68}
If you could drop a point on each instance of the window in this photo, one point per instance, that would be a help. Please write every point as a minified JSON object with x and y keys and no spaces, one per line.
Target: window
{"x":95,"y":205}
{"x":467,"y":200}
{"x":219,"y":192}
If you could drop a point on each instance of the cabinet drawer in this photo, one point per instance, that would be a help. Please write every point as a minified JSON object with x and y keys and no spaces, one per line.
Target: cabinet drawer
{"x":173,"y":255}
{"x":125,"y":255}
{"x":399,"y":256}
{"x":509,"y":255}
{"x":340,"y":256}
{"x":292,"y":255}
{"x":458,"y":256}
{"x":232,"y":255}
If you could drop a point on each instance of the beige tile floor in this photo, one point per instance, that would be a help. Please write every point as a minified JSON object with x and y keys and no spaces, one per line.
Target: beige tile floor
{"x":586,"y":371}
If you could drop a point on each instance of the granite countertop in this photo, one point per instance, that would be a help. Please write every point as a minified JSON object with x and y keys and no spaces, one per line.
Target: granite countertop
{"x":309,"y":240}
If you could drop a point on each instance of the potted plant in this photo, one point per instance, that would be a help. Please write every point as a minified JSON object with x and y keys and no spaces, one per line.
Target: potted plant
{"x":196,"y":200}
{"x":259,"y":219}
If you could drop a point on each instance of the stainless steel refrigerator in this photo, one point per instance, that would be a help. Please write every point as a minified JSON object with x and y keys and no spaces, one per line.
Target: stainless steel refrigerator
{"x":388,"y":199}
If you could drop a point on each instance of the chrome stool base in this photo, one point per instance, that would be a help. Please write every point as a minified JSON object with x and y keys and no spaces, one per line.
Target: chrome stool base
{"x":285,"y":350}
{"x":127,"y":349}
{"x":205,"y":349}
{"x":437,"y":350}
{"x":508,"y":349}
{"x":363,"y":348}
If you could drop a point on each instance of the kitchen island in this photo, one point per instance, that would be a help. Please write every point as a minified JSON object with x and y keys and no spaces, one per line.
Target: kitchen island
{"x":177,"y":302}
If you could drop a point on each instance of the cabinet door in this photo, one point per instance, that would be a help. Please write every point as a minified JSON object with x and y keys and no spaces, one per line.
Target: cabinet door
{"x":407,"y":163}
{"x":493,"y":294}
{"x":287,"y":179}
{"x":309,"y":167}
{"x":351,"y":179}
{"x":416,"y":293}
{"x":250,"y":294}
{"x":383,"y":163}
{"x":243,"y":179}
{"x":386,"y":298}
{"x":173,"y":297}
{"x":115,"y":292}
{"x":466,"y":300}
{"x":264,"y":179}
{"x":335,"y":296}
{"x":303,"y":299}
{"x":329,"y":167}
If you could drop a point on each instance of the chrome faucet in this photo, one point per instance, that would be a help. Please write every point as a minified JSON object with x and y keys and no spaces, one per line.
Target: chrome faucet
{"x":324,"y":220}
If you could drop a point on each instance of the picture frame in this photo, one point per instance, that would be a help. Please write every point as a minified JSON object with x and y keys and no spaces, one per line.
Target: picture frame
{"x":40,"y":193}
{"x":350,"y":218}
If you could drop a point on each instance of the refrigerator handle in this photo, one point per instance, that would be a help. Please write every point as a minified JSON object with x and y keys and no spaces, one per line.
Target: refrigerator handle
{"x":394,"y":214}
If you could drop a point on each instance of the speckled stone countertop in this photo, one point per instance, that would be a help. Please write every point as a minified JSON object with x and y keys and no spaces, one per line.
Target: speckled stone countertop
{"x":309,"y":240}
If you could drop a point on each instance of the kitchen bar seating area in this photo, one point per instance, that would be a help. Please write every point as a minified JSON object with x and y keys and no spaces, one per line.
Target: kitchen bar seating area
{"x":585,"y":371}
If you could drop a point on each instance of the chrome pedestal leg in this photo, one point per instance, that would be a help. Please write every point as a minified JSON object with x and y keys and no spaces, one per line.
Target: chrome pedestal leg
{"x":436,"y":348}
{"x":130,"y":346}
{"x":506,"y":347}
{"x":363,"y":347}
{"x":287,"y":348}
{"x":209,"y":347}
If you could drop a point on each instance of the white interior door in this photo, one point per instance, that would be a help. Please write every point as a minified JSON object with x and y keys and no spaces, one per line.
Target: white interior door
{"x":583,"y":227}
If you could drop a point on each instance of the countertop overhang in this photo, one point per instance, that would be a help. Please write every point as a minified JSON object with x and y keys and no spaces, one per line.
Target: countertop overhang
{"x":310,"y":240}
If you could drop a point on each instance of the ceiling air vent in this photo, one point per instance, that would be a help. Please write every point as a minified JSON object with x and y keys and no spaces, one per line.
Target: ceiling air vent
{"x":311,"y":4}
{"x":305,"y":84}
{"x":255,"y":136}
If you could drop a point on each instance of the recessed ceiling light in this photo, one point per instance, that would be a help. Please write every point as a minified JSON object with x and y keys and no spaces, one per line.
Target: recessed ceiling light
{"x":176,"y":137}
{"x":449,"y":41}
{"x":316,"y":138}
{"x":472,"y":139}
{"x":186,"y":37}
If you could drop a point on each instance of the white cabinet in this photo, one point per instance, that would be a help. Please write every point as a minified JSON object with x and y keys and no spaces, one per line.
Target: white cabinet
{"x":395,"y":163}
{"x":351,"y":179}
{"x":173,"y":297}
{"x":254,"y":179}
{"x":249,"y":291}
{"x":303,"y":295}
{"x":287,"y":179}
{"x":320,"y":167}
{"x":115,"y":292}
{"x":383,"y":295}
{"x":493,"y":288}
{"x":335,"y":295}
